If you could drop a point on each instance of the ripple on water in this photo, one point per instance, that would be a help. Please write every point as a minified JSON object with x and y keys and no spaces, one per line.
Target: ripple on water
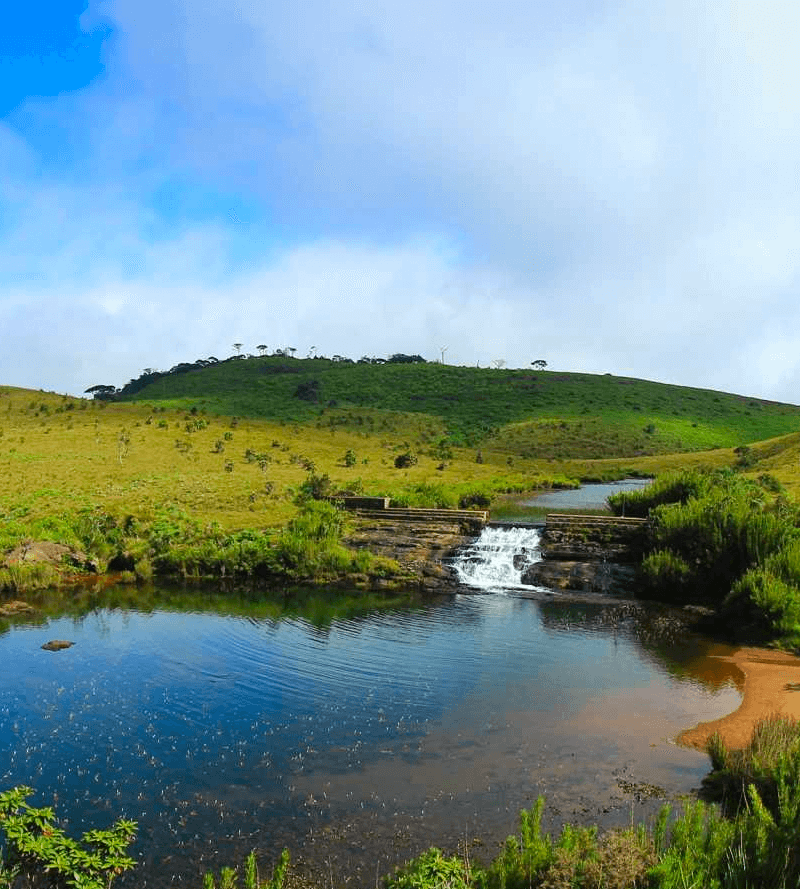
{"x":203,"y":727}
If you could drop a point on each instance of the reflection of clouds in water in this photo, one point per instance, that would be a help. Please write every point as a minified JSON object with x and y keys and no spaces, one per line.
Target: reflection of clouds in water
{"x":206,"y":728}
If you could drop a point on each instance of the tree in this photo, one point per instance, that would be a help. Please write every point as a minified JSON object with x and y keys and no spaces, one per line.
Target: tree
{"x":101,"y":392}
{"x":539,"y":364}
{"x":261,"y":349}
{"x":499,"y":362}
{"x":238,"y":347}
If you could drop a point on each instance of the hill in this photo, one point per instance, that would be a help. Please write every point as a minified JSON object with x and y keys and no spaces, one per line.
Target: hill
{"x":524,"y":413}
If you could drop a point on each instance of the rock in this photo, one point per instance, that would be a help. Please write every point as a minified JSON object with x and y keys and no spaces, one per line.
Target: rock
{"x":422,"y":546}
{"x":56,"y":554}
{"x":15,"y":606}
{"x":583,"y":576}
{"x":57,"y":645}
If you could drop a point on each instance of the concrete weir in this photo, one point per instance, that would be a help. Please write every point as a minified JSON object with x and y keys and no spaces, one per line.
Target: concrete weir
{"x":590,"y":553}
{"x":423,"y":541}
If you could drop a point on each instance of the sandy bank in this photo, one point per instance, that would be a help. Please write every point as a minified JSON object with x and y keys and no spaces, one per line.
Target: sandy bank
{"x":766,"y":680}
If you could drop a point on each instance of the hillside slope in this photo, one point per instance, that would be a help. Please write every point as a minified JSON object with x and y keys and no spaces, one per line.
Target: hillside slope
{"x":533,"y":414}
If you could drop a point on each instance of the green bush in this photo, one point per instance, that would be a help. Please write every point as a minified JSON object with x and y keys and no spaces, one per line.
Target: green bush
{"x":733,"y":545}
{"x":671,"y":487}
{"x":665,"y":575}
{"x":36,"y":848}
{"x":431,"y":870}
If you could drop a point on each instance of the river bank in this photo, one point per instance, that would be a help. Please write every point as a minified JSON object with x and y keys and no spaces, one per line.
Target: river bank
{"x":769,"y":681}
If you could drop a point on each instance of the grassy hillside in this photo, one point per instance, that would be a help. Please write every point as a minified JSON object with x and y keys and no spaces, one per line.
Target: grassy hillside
{"x":423,"y":434}
{"x":62,"y":454}
{"x":533,"y":414}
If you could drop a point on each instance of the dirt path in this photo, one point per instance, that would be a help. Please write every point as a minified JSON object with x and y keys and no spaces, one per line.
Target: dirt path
{"x":767,"y":681}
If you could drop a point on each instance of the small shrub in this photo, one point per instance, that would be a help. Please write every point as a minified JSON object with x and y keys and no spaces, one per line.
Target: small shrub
{"x":431,"y":870}
{"x":665,"y":574}
{"x":405,"y":460}
{"x":316,"y":486}
{"x":36,"y":847}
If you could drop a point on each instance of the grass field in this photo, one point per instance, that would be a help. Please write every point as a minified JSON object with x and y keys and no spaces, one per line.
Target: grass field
{"x":62,"y":454}
{"x":533,"y":414}
{"x":233,"y":442}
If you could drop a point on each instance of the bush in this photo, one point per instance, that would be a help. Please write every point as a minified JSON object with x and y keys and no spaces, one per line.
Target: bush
{"x":666,"y":575}
{"x":36,"y":848}
{"x":431,"y":870}
{"x":315,"y":487}
{"x":405,"y":460}
{"x":722,"y":534}
{"x":672,"y":487}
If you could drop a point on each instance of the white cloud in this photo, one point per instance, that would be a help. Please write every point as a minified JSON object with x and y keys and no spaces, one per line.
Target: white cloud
{"x":610,"y":186}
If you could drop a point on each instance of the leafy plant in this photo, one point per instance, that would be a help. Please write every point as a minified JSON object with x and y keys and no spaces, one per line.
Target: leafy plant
{"x":36,"y":846}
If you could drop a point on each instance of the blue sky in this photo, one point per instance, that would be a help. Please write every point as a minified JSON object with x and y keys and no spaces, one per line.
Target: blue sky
{"x":610,"y":186}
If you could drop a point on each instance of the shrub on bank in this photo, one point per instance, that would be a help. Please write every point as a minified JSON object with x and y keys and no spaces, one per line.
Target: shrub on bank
{"x":671,"y":487}
{"x":733,"y":543}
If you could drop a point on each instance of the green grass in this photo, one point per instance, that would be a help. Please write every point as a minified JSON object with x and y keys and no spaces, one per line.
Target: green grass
{"x":231,"y":446}
{"x":540,"y":414}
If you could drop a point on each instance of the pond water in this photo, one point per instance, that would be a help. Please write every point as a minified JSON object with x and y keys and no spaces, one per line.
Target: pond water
{"x":356,"y":742}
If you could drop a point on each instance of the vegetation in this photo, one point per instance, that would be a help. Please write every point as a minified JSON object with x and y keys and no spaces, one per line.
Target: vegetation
{"x":526,"y":413}
{"x":751,"y":843}
{"x":728,"y":539}
{"x":219,"y":469}
{"x":39,"y":851}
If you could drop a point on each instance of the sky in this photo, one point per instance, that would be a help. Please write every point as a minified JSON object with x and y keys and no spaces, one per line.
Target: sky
{"x":612,"y":187}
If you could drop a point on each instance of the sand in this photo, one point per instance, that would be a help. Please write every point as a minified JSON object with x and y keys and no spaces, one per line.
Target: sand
{"x":766,"y":683}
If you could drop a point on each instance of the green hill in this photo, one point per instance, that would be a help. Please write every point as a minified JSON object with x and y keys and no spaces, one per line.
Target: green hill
{"x":534,"y":414}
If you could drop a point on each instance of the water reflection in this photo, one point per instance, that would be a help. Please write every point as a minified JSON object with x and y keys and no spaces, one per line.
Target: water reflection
{"x":660,"y":632}
{"x":358,"y":739}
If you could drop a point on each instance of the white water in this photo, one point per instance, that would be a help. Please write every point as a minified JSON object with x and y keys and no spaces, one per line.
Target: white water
{"x":498,"y":558}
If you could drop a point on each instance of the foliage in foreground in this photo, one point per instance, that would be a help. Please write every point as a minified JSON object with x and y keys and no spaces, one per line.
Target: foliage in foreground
{"x":753,"y":841}
{"x":700,"y":848}
{"x":39,"y":851}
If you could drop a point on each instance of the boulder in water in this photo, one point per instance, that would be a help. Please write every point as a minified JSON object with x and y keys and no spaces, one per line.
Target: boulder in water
{"x":57,"y":645}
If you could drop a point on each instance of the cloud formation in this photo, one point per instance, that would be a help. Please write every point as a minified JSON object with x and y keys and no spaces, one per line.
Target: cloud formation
{"x":610,"y":186}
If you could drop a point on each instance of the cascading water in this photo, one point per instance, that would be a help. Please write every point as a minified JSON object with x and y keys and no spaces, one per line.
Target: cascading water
{"x":498,"y":558}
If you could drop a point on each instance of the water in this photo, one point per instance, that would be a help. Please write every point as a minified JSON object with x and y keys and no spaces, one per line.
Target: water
{"x":497,"y":560}
{"x":357,"y":741}
{"x":592,"y":496}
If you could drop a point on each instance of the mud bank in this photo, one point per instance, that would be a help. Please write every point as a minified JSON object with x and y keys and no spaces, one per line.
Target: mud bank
{"x":770,"y":684}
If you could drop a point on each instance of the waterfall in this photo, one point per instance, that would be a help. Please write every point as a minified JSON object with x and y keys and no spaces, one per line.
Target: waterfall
{"x":498,"y":558}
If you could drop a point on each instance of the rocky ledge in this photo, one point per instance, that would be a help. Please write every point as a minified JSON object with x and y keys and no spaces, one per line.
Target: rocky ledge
{"x":422,"y":547}
{"x":590,"y":554}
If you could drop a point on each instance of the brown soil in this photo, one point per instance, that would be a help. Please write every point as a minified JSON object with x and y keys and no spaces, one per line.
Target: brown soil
{"x":770,"y":684}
